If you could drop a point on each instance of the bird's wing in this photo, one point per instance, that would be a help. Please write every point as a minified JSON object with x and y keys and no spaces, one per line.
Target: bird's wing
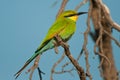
{"x":56,"y":28}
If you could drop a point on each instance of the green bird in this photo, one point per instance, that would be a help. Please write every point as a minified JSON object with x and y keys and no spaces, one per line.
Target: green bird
{"x":64,"y":26}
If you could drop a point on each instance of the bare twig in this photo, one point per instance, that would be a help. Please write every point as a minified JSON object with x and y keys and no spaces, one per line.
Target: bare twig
{"x":56,"y":47}
{"x":107,"y":15}
{"x":65,"y":71}
{"x":64,"y":2}
{"x":118,"y":43}
{"x":80,"y":71}
{"x":54,"y":66}
{"x":100,"y":39}
{"x":86,"y":41}
{"x":35,"y":65}
{"x":99,"y":43}
{"x":67,"y":63}
{"x":39,"y":71}
{"x":81,"y":4}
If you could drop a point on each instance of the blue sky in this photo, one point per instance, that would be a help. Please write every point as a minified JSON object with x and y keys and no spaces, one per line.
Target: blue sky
{"x":23,"y":25}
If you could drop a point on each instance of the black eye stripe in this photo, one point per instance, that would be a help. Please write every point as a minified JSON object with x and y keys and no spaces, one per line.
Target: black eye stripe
{"x":77,"y":14}
{"x":70,"y":15}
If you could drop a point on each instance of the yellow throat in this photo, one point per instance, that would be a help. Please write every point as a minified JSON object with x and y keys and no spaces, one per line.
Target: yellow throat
{"x":74,"y":18}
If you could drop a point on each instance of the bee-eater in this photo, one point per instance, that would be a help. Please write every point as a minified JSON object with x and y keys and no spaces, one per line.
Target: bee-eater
{"x":64,"y":26}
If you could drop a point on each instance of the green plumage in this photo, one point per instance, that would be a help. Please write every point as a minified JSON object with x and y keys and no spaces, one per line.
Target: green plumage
{"x":63,"y":26}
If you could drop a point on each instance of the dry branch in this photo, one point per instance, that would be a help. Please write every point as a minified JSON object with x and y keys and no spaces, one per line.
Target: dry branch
{"x":54,"y":66}
{"x":103,"y":24}
{"x":79,"y":69}
{"x":32,"y":69}
{"x":85,"y":43}
{"x":117,"y":42}
{"x":62,"y":7}
{"x":64,"y":2}
{"x":81,"y":4}
{"x":107,"y":15}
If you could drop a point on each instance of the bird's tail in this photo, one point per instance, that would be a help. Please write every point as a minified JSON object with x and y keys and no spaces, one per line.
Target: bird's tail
{"x":27,"y":63}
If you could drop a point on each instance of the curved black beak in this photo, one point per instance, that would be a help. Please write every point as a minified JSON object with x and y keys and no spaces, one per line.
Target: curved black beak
{"x":79,"y":13}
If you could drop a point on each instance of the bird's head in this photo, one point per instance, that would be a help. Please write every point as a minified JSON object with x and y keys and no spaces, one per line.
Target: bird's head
{"x":71,"y":14}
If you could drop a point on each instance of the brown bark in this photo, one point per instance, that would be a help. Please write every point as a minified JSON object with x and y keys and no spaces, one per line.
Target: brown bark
{"x":100,"y":21}
{"x":108,"y":73}
{"x":79,"y":69}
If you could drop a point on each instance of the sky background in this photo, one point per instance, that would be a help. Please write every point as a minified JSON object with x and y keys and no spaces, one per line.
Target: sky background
{"x":24,"y":24}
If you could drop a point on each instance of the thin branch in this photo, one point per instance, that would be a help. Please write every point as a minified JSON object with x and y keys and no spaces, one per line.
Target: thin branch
{"x":35,"y":65}
{"x":80,"y":71}
{"x":54,"y":66}
{"x":64,"y":2}
{"x":65,"y":71}
{"x":100,"y":37}
{"x":86,"y":41}
{"x":101,"y":53}
{"x":39,"y":71}
{"x":107,"y":15}
{"x":67,"y":63}
{"x":56,"y":47}
{"x":118,"y":43}
{"x":81,"y":4}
